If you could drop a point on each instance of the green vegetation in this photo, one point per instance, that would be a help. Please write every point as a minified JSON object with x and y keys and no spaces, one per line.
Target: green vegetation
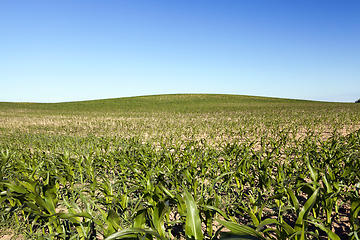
{"x":180,"y":167}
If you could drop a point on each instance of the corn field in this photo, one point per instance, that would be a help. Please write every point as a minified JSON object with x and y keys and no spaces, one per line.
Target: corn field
{"x":254,"y":173}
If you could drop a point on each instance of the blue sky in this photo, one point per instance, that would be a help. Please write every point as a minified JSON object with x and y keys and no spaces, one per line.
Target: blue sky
{"x":56,"y":51}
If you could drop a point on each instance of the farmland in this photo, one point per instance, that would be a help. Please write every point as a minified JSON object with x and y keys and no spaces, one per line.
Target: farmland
{"x":187,"y":166}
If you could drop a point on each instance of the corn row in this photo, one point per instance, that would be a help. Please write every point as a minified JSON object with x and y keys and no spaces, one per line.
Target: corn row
{"x":271,"y":188}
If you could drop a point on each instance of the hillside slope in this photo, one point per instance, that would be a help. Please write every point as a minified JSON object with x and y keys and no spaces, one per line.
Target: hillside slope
{"x":172,"y":102}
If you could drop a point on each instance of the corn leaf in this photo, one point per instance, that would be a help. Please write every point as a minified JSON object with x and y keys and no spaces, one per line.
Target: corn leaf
{"x":130,"y":231}
{"x":193,"y":221}
{"x":331,"y":234}
{"x":240,"y":229}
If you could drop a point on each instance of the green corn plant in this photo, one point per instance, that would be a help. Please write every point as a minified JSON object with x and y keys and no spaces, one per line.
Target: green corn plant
{"x":67,"y":165}
{"x":15,"y":196}
{"x":80,"y":169}
{"x":5,"y":165}
{"x":254,"y":207}
{"x":210,"y":208}
{"x":189,"y":175}
{"x":108,"y":191}
{"x":6,"y":205}
{"x":112,"y":200}
{"x":39,"y":200}
{"x":301,"y":224}
{"x":154,"y":215}
{"x":262,"y":172}
{"x":81,"y":217}
{"x":158,"y":217}
{"x":193,"y":222}
{"x":90,"y":170}
{"x":283,"y":230}
{"x":135,"y":234}
{"x":139,"y":218}
{"x":115,"y":196}
{"x":181,"y":206}
{"x":354,"y":214}
{"x":111,"y":219}
{"x":209,"y":204}
{"x":331,"y":195}
{"x":156,"y":207}
{"x":310,"y":187}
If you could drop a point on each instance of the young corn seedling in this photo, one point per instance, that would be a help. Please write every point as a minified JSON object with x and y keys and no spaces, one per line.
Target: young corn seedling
{"x":81,"y":216}
{"x":193,"y":229}
{"x":354,"y":214}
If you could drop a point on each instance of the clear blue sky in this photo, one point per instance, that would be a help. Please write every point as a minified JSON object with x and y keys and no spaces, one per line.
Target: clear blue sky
{"x":56,"y":51}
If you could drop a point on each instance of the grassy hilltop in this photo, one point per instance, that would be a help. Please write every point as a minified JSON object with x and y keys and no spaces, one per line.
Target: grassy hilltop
{"x":170,"y":102}
{"x":184,"y":166}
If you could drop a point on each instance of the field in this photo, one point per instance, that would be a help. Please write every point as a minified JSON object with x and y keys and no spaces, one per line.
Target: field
{"x":187,"y":166}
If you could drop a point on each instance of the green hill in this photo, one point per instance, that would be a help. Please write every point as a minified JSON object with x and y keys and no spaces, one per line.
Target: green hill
{"x":171,"y":102}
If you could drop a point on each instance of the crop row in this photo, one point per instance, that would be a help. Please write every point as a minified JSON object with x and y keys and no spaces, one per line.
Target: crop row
{"x":281,"y":188}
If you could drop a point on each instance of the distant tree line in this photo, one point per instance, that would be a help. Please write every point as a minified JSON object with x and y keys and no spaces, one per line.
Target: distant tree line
{"x":358,"y":101}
